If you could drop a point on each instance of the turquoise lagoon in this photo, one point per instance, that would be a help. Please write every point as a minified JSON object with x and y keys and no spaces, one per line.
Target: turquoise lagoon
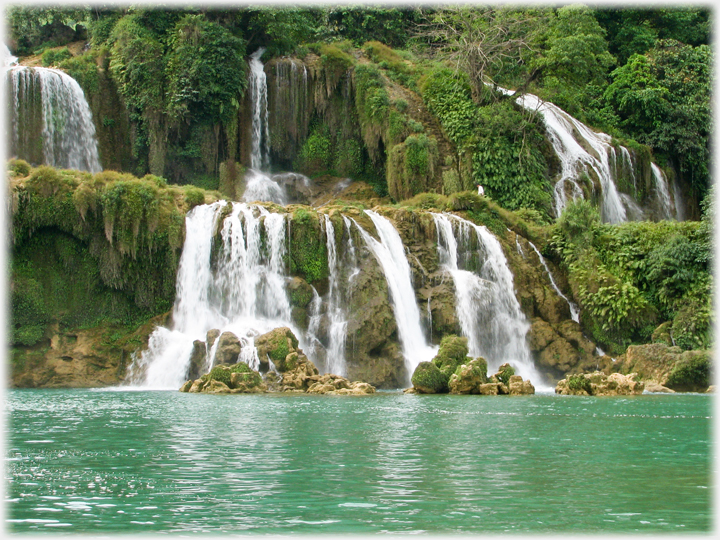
{"x":102,"y":461}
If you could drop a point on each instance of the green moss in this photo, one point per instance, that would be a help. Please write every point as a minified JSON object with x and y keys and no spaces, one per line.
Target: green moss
{"x":505,"y":374}
{"x":691,"y":373}
{"x":455,"y":347}
{"x":578,"y":383}
{"x":18,"y":167}
{"x":308,"y":250}
{"x":428,"y":378}
{"x":52,"y":57}
{"x":194,"y":196}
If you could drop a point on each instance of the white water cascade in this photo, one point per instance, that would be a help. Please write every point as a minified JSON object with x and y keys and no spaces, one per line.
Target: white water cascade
{"x":51,"y":119}
{"x":485,"y":303}
{"x":258,"y":185}
{"x":244,"y":292}
{"x":575,"y":159}
{"x":390,"y":253}
{"x":667,"y":207}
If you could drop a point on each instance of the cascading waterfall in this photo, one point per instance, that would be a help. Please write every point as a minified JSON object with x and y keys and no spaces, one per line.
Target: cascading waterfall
{"x":336,"y":314}
{"x":260,"y":186}
{"x":667,"y":208}
{"x":575,"y":159}
{"x":260,"y":151}
{"x":485,"y":303}
{"x":243,"y":293}
{"x":390,"y":253}
{"x":574,"y":311}
{"x":51,"y":119}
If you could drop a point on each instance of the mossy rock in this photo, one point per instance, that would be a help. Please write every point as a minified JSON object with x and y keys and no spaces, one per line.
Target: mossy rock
{"x":468,"y":377}
{"x":692,"y":373}
{"x":454,"y":347}
{"x":504,"y":373}
{"x":300,"y":292}
{"x":579,"y":383}
{"x":276,"y":345}
{"x":662,"y":334}
{"x":428,"y":379}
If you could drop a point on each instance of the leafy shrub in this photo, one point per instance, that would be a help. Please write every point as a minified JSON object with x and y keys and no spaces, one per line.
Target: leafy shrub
{"x":505,"y":373}
{"x":578,"y":383}
{"x":194,"y":196}
{"x":52,"y":57}
{"x":18,"y":167}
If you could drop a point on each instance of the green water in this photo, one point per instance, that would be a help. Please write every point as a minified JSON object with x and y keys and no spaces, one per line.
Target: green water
{"x":126,"y":462}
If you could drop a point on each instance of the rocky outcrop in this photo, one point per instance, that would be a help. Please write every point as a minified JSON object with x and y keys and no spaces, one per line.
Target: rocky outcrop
{"x":600,"y":384}
{"x":562,"y":348}
{"x":671,"y":367}
{"x":236,"y":379}
{"x":453,"y":371}
{"x":336,"y":385}
{"x":277,"y":347}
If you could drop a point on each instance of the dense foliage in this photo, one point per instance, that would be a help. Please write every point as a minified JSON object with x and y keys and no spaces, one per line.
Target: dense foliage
{"x":632,"y":277}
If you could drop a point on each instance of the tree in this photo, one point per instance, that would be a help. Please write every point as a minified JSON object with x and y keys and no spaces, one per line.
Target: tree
{"x":480,"y":41}
{"x":663,"y":99}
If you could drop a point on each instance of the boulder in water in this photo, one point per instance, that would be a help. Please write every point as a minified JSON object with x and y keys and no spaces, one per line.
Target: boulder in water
{"x":337,"y":385}
{"x":277,"y":345}
{"x":211,"y":336}
{"x":468,"y":377}
{"x":600,"y":384}
{"x":428,"y":379}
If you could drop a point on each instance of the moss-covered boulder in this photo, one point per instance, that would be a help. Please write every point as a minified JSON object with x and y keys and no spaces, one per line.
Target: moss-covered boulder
{"x":519,"y":387}
{"x":276,"y":346}
{"x":300,"y":292}
{"x":238,"y":378}
{"x":683,"y":371}
{"x":600,"y":384}
{"x":300,"y":377}
{"x":452,"y":353}
{"x":468,"y":377}
{"x":428,"y":379}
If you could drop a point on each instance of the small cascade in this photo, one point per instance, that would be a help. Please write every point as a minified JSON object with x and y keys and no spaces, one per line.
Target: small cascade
{"x":486,"y":306}
{"x":8,"y":59}
{"x":575,"y":160}
{"x":260,"y":152}
{"x":574,"y":311}
{"x":242,"y":291}
{"x":667,"y":208}
{"x":336,"y":314}
{"x":51,"y":119}
{"x":390,"y":253}
{"x":260,"y":186}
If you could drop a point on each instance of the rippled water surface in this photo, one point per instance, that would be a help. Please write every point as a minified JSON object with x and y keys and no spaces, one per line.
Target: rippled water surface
{"x":110,"y":461}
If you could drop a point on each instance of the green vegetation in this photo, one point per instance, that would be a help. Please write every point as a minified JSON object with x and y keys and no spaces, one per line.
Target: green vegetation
{"x":631,"y":277}
{"x":91,"y":248}
{"x":579,"y":382}
{"x":505,"y":373}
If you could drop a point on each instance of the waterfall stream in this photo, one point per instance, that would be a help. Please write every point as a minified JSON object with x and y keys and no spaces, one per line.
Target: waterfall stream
{"x":486,"y":306}
{"x":51,"y":119}
{"x":390,"y":253}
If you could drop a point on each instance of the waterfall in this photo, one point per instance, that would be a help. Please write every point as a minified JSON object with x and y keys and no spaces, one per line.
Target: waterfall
{"x":663,"y":193}
{"x":260,"y":152}
{"x":336,"y":314}
{"x":243,"y":291}
{"x":259,"y":186}
{"x":485,"y":303}
{"x":51,"y":119}
{"x":7,"y":57}
{"x":562,"y":130}
{"x":574,"y":311}
{"x":390,"y":253}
